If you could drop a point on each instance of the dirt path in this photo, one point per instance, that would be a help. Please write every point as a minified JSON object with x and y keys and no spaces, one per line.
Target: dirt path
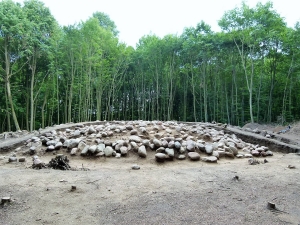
{"x":180,"y":192}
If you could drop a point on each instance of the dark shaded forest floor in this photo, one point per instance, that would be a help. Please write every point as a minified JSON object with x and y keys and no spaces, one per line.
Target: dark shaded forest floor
{"x":175,"y":192}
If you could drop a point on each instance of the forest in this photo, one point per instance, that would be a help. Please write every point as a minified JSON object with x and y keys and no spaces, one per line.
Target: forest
{"x":247,"y":72}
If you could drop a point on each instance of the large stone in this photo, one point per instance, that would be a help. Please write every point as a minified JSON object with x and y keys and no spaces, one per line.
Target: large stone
{"x":100,"y":148}
{"x":216,"y":154}
{"x":190,"y":146}
{"x":124,"y":150}
{"x":73,"y":143}
{"x":171,"y":144}
{"x":108,"y":151}
{"x":81,"y":145}
{"x":92,"y":149}
{"x":233,"y":149}
{"x":170,"y":152}
{"x":157,"y":143}
{"x":209,"y":159}
{"x":91,"y":130}
{"x":160,"y":150}
{"x":177,"y":145}
{"x":76,"y":133}
{"x":85,"y":150}
{"x":133,"y":132}
{"x":209,"y":149}
{"x":142,"y":151}
{"x":194,"y":156}
{"x":58,"y":145}
{"x":160,"y":157}
{"x":146,"y":142}
{"x":135,"y":139}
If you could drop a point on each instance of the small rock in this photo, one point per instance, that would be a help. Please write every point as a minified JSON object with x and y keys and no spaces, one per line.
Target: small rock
{"x":255,"y":153}
{"x":135,"y":167}
{"x":181,"y":157}
{"x":22,"y":159}
{"x":73,"y":151}
{"x":12,"y":159}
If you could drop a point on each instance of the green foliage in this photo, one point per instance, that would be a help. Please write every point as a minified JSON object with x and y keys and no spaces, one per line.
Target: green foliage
{"x":249,"y":71}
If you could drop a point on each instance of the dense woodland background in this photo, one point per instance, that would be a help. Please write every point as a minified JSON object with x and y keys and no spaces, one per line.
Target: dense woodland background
{"x":249,"y":72}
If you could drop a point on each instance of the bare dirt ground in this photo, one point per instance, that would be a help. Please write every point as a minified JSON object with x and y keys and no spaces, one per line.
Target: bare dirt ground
{"x":175,"y":192}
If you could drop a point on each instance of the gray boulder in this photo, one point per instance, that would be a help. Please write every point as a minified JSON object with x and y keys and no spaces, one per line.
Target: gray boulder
{"x":194,"y":156}
{"x":142,"y":151}
{"x":108,"y":151}
{"x":209,"y":149}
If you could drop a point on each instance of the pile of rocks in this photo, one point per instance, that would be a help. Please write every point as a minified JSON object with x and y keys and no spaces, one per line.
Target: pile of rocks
{"x":168,"y":140}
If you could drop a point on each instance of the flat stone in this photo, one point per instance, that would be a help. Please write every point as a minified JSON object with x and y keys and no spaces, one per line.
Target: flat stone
{"x":240,"y":156}
{"x":12,"y":159}
{"x":211,"y":159}
{"x":50,"y":148}
{"x":135,"y":139}
{"x":194,"y":156}
{"x":160,"y":157}
{"x":269,"y":153}
{"x":181,"y":157}
{"x":255,"y":153}
{"x":135,"y":167}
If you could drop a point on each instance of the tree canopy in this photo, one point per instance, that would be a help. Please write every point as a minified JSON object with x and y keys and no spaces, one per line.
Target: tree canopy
{"x":248,"y":72}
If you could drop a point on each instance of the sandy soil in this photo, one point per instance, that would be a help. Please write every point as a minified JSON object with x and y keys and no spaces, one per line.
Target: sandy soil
{"x":175,"y":192}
